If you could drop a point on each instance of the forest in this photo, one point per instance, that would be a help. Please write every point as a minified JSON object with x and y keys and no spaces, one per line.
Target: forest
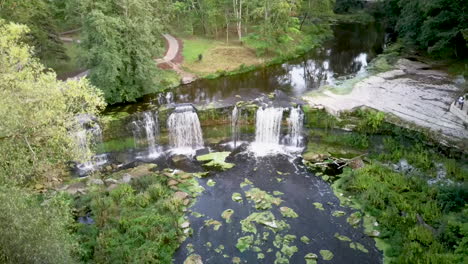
{"x":49,"y":214}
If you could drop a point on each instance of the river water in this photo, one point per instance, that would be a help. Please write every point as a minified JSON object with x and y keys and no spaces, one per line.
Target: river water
{"x":341,"y":58}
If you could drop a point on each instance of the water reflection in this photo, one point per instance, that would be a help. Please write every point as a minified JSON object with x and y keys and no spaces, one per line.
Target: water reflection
{"x":346,"y":55}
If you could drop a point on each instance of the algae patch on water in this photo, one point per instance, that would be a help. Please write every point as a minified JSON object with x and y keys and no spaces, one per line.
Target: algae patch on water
{"x":319,"y":206}
{"x":216,"y":160}
{"x":305,"y":239}
{"x":215,"y":223}
{"x":262,"y":199}
{"x":237,"y":197}
{"x":342,"y":238}
{"x":288,"y":212}
{"x":338,"y":213}
{"x":244,"y":243}
{"x":358,"y":246}
{"x":326,"y":254}
{"x":245,"y":183}
{"x":264,"y":218}
{"x":227,"y":215}
{"x":311,"y":258}
{"x":211,"y":183}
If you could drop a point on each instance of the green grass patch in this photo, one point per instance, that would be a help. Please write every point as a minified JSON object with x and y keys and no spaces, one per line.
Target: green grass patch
{"x":195,"y":46}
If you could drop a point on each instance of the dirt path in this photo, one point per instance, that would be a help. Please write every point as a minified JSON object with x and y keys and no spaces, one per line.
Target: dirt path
{"x":413,"y":92}
{"x":171,"y":60}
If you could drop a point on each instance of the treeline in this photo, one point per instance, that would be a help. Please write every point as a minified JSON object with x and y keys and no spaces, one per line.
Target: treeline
{"x":438,"y":27}
{"x":268,"y":24}
{"x":120,"y":39}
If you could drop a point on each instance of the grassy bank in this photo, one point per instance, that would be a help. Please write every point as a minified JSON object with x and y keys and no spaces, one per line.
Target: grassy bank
{"x":220,"y":58}
{"x":411,"y":191}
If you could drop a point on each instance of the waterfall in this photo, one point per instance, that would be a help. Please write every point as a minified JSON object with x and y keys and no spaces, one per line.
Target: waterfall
{"x":145,"y":129}
{"x":185,"y":132}
{"x":87,"y":136}
{"x":361,"y":59}
{"x":236,"y":113}
{"x":268,"y":125}
{"x":169,"y":98}
{"x":295,"y":125}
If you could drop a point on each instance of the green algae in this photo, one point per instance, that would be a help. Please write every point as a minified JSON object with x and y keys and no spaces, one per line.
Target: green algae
{"x":215,"y":223}
{"x":277,"y":193}
{"x":326,"y":254}
{"x":216,"y":160}
{"x":358,"y":246}
{"x":319,"y":206}
{"x":237,"y":197}
{"x":245,"y":183}
{"x":219,"y":249}
{"x":244,"y":243}
{"x":279,"y":180}
{"x":262,"y":199}
{"x":236,"y":260}
{"x":189,"y":248}
{"x":201,"y":174}
{"x":256,"y":249}
{"x":226,"y":215}
{"x":211,"y":183}
{"x":354,"y":219}
{"x":342,"y":238}
{"x":260,"y":256}
{"x":193,"y":259}
{"x":264,"y":218}
{"x":197,"y":215}
{"x":305,"y":239}
{"x":311,"y":258}
{"x":265,"y":236}
{"x":280,"y":259}
{"x":288,"y":212}
{"x":208,"y":244}
{"x":289,"y":250}
{"x":338,"y":213}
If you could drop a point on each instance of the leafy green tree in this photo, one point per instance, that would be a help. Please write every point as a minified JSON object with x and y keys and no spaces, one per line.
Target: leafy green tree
{"x":38,"y":112}
{"x":38,"y":16}
{"x":121,"y":38}
{"x":34,"y":231}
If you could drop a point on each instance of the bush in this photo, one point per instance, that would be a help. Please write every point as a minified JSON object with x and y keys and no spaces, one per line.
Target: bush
{"x":32,"y":232}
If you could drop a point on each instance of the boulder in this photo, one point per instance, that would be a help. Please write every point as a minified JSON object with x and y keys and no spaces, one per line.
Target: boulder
{"x":180,"y":195}
{"x":126,"y":178}
{"x":96,"y":182}
{"x":172,"y":182}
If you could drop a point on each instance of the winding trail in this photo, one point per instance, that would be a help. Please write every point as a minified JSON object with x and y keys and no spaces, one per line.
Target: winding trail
{"x":169,"y":59}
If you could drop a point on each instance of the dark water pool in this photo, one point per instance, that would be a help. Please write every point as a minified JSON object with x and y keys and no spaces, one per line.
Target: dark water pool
{"x":301,"y":189}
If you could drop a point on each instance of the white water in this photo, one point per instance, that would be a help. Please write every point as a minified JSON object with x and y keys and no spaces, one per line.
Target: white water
{"x":361,"y":59}
{"x":267,"y":131}
{"x":294,"y":138}
{"x":185,"y":134}
{"x":145,"y":132}
{"x":236,"y":113}
{"x":87,"y":136}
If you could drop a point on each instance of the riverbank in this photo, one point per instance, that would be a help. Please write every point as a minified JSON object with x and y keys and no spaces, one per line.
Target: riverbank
{"x":412,"y":91}
{"x":219,"y":58}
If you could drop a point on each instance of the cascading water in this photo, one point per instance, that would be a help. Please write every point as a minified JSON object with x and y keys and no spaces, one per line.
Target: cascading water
{"x":236,"y":113}
{"x":267,"y":131}
{"x":87,"y":136}
{"x":361,"y":59}
{"x":169,"y":98}
{"x":295,"y":125}
{"x":185,"y":134}
{"x":146,"y":130}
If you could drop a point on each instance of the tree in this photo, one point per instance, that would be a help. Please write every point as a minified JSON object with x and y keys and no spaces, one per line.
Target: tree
{"x":121,"y":38}
{"x":38,"y":112}
{"x":38,"y":16}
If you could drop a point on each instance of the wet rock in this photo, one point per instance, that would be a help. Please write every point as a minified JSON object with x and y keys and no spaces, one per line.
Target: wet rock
{"x":186,"y":202}
{"x":356,"y":164}
{"x":126,"y":178}
{"x":180,"y":195}
{"x":186,"y":176}
{"x":172,"y":182}
{"x":178,"y":159}
{"x":193,"y":259}
{"x":108,"y":168}
{"x":111,"y":181}
{"x":185,"y":224}
{"x":96,"y":182}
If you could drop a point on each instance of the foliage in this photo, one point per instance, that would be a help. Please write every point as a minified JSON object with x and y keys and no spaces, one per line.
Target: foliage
{"x":38,"y":16}
{"x":38,"y":112}
{"x":135,"y":223}
{"x":436,"y":26}
{"x":348,"y":6}
{"x":398,"y":202}
{"x":371,"y":120}
{"x":35,"y":232}
{"x":121,"y":39}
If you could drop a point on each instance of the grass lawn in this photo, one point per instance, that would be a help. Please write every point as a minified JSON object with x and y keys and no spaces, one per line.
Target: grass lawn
{"x":217,"y":56}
